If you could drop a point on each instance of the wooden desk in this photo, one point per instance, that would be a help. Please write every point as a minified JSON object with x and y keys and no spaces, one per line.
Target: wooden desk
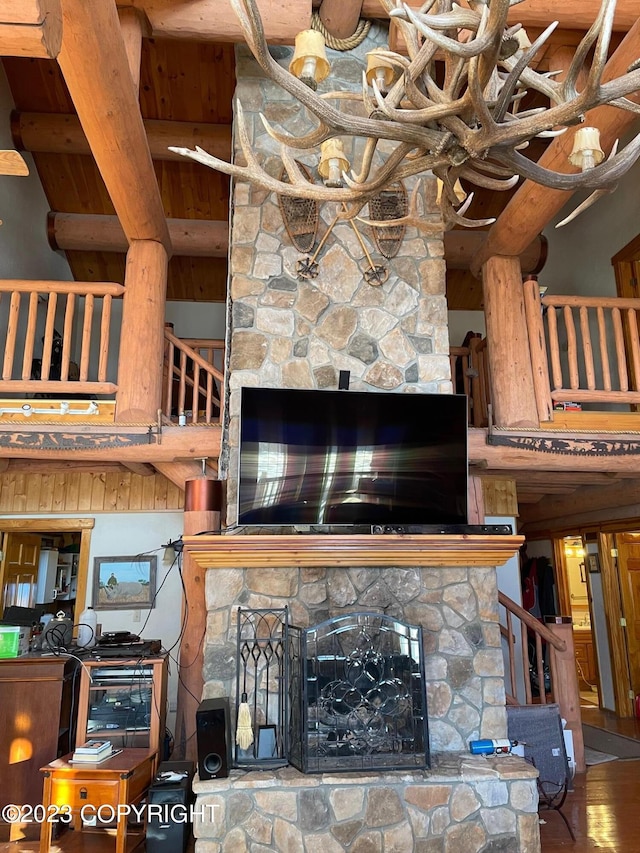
{"x":121,"y":780}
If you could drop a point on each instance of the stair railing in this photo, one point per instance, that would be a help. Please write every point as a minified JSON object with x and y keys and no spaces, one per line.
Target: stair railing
{"x":194,"y":384}
{"x":563,"y":681}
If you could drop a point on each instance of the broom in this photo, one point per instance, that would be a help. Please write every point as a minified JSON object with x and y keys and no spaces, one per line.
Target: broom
{"x":244,"y":730}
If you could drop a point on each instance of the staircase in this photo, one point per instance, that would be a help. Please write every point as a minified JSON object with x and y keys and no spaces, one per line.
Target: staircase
{"x":550,"y":666}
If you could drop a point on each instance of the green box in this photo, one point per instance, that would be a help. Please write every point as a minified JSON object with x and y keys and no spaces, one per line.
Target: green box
{"x":9,"y":641}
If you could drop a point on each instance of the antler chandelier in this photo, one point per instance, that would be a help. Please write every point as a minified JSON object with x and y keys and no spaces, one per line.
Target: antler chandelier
{"x":452,"y":106}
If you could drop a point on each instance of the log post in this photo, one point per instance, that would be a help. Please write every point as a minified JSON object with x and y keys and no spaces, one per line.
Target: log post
{"x":340,"y":17}
{"x":564,"y":682}
{"x":142,"y":333}
{"x":510,"y":371}
{"x":202,"y":509}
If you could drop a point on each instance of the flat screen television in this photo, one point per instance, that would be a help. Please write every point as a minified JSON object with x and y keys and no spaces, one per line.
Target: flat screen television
{"x":351,"y":458}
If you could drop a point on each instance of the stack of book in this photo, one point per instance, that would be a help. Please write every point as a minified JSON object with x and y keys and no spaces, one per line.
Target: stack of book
{"x":92,"y":752}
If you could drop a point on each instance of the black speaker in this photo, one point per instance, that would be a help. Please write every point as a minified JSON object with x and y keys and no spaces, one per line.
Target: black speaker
{"x":213,"y":733}
{"x":343,"y":380}
{"x":168,"y":828}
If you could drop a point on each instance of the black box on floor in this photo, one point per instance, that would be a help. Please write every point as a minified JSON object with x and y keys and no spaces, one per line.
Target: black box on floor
{"x":170,"y":830}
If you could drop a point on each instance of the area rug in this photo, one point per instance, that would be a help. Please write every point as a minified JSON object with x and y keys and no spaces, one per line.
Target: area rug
{"x":592,"y":756}
{"x":607,"y":742}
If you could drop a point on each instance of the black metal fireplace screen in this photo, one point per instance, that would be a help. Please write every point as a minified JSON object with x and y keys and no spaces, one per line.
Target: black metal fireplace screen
{"x":346,"y":695}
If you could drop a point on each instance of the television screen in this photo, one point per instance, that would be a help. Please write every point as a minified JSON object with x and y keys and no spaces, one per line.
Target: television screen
{"x":350,"y":457}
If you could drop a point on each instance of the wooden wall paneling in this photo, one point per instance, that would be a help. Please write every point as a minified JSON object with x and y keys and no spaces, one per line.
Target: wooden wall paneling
{"x":161,"y":494}
{"x":72,"y":491}
{"x":87,"y":492}
{"x":72,"y":183}
{"x":187,"y":81}
{"x":96,"y":493}
{"x":38,"y":85}
{"x":500,"y":496}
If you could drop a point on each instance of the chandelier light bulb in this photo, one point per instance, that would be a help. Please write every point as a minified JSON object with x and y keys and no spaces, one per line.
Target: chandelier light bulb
{"x":309,"y":62}
{"x":380,"y":70}
{"x":332,"y":163}
{"x":586,"y":152}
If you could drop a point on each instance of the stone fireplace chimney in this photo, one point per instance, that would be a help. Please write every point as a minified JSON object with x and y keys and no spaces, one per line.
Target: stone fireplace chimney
{"x":289,"y":333}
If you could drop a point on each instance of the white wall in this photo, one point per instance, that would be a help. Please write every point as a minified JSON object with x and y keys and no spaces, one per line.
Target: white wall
{"x":24,"y":249}
{"x":580,"y":253}
{"x":127,"y":534}
{"x":461,"y":322}
{"x":197,"y":319}
{"x":509,"y":583}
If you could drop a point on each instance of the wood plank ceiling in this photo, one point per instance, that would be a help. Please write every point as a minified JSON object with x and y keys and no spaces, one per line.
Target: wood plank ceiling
{"x":181,"y":81}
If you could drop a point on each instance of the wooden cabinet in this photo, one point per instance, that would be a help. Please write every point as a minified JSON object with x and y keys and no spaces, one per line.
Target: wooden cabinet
{"x":36,"y":710}
{"x":119,"y":781}
{"x":124,"y":702}
{"x":585,"y":658}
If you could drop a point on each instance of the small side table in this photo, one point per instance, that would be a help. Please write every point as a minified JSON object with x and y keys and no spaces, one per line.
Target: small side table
{"x":121,"y":780}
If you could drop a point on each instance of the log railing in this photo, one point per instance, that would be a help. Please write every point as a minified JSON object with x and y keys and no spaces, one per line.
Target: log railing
{"x":194,"y":379}
{"x":543,"y":654}
{"x":583,"y":349}
{"x":470,"y":376}
{"x":73,"y":357}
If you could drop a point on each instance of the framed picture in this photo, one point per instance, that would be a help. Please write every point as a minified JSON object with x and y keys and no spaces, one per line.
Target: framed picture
{"x":124,"y":583}
{"x":593,"y":563}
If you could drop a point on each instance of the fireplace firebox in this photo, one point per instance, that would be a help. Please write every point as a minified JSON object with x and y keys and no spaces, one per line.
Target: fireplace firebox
{"x":345,"y":695}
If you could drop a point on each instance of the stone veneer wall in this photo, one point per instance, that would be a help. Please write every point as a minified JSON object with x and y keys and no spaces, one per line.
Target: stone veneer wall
{"x":463,"y":804}
{"x":466,"y":804}
{"x":456,"y":607}
{"x":288,"y":333}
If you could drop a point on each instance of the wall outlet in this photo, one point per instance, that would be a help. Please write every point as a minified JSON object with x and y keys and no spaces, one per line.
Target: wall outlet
{"x":136,"y":615}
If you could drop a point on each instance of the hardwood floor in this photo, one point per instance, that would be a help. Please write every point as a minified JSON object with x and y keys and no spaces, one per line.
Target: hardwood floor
{"x":607,"y":720}
{"x":602,"y":810}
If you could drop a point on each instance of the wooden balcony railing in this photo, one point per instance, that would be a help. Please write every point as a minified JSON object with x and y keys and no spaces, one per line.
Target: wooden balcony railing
{"x":194,"y":379}
{"x":583,"y":349}
{"x":470,"y":376}
{"x":544,"y":656}
{"x":74,"y":358}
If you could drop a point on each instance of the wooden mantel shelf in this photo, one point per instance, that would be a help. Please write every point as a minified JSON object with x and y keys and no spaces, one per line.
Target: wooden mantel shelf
{"x":276,"y":551}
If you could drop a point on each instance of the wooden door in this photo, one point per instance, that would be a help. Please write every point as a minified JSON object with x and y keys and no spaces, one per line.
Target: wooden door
{"x":21,"y":554}
{"x":626,"y":266}
{"x":628,"y":545}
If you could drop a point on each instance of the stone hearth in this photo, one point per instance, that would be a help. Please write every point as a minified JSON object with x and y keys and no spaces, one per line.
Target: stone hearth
{"x":464,"y":804}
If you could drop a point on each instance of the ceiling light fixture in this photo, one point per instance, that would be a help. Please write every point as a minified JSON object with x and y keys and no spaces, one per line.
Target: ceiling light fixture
{"x":455,"y":110}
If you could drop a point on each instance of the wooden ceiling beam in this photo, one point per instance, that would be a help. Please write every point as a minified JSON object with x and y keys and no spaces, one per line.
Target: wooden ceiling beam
{"x":94,"y":63}
{"x":532,"y":207}
{"x":204,"y":238}
{"x":461,"y":246}
{"x":133,"y":26}
{"x":30,"y":28}
{"x":59,"y":133}
{"x":571,"y":14}
{"x":504,"y":459}
{"x":179,"y":472}
{"x":80,"y":232}
{"x":177,"y":444}
{"x":213,"y":20}
{"x":584,"y":502}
